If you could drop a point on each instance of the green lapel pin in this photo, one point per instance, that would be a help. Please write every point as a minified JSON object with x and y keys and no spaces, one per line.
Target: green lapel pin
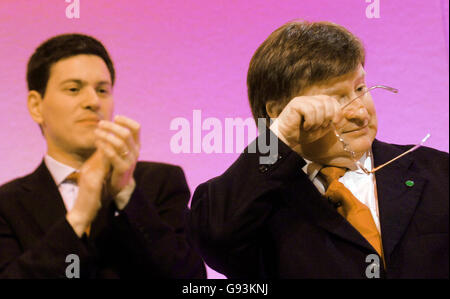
{"x":409,"y":183}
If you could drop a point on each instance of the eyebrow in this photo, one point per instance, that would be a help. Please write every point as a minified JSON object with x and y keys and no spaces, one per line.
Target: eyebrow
{"x":81,"y":82}
{"x":333,"y":90}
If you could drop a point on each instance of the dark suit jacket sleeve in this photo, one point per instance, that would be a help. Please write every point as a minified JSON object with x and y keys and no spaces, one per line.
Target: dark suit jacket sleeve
{"x":151,"y":228}
{"x":47,"y":259}
{"x":228,"y":213}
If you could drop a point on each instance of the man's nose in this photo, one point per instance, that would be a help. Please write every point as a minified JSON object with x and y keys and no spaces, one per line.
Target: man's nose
{"x":91,"y":99}
{"x":356,"y":112}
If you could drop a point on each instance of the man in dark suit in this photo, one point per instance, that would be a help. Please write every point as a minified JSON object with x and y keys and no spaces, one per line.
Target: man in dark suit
{"x":90,"y":210}
{"x":290,"y":218}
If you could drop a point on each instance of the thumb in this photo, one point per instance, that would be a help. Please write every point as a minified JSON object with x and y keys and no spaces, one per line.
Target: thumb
{"x":99,"y":158}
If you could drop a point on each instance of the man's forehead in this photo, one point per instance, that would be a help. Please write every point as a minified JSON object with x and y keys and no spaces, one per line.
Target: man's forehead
{"x":80,"y":68}
{"x":355,"y":77}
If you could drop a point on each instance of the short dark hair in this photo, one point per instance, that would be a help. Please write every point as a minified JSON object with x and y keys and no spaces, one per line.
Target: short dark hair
{"x":296,"y":56}
{"x":60,"y":47}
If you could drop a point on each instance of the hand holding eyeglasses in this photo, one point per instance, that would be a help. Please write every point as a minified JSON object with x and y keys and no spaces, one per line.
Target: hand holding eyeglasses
{"x":347,"y":147}
{"x":306,"y":119}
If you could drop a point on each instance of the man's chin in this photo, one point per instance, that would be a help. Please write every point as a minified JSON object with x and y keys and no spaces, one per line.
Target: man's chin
{"x":344,"y":160}
{"x":362,"y":145}
{"x":86,"y":151}
{"x":341,"y":158}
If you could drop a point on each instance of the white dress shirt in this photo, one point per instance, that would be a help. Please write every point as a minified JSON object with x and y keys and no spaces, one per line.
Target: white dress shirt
{"x":362,"y":186}
{"x":69,"y":189}
{"x":59,"y":172}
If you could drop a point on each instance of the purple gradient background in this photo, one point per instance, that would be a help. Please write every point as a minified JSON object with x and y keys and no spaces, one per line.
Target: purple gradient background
{"x":175,"y":56}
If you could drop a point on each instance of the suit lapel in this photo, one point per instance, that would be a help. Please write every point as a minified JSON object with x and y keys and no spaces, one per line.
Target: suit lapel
{"x":45,"y":204}
{"x":396,"y":200}
{"x":317,"y":209}
{"x":42,"y":199}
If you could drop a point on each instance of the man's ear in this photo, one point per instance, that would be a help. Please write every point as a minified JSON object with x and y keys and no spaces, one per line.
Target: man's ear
{"x":34,"y":104}
{"x":273,"y":108}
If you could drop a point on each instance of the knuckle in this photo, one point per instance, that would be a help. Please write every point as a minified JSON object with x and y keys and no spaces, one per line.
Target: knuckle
{"x":127,"y":134}
{"x":121,"y":144}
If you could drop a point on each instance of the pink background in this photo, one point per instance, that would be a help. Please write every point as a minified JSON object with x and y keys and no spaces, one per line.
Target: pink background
{"x":172,"y":57}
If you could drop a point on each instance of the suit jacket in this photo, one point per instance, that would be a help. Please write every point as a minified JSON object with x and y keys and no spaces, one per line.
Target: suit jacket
{"x":144,"y":240}
{"x":269,"y":221}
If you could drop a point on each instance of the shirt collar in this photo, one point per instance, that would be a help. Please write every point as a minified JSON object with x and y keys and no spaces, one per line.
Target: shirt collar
{"x":58,"y":170}
{"x":312,"y":168}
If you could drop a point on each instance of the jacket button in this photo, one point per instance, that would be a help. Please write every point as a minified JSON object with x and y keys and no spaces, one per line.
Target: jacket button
{"x":263,"y":168}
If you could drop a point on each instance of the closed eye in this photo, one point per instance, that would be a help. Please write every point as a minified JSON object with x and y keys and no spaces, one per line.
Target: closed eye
{"x":361,"y":88}
{"x":73,"y":90}
{"x":103,"y":91}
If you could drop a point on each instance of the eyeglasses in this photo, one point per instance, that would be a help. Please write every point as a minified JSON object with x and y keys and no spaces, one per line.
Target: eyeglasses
{"x":348,"y":149}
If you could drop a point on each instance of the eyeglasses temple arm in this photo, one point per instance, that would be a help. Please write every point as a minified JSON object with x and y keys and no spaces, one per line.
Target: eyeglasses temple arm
{"x":407,"y":152}
{"x":391,"y":89}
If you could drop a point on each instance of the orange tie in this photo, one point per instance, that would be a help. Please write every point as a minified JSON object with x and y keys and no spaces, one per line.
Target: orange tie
{"x":73,"y":177}
{"x":351,"y":208}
